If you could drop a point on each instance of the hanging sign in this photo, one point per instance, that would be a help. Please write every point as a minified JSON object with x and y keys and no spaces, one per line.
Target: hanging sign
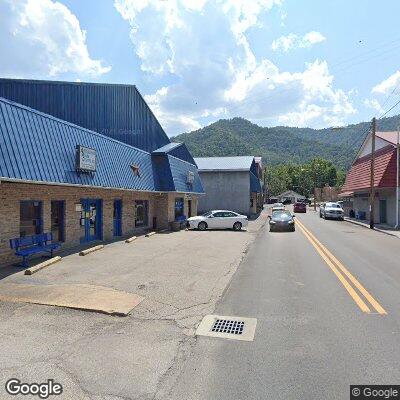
{"x":85,"y":159}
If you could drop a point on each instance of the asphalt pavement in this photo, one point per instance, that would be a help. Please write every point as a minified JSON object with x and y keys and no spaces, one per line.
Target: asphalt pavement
{"x":318,"y":331}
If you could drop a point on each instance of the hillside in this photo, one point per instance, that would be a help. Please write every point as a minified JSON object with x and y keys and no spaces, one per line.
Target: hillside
{"x":238,"y":136}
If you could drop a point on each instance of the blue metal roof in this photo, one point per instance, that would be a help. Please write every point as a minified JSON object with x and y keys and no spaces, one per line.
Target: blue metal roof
{"x":241,"y":163}
{"x":115,"y":110}
{"x":178,"y":150}
{"x":40,"y":148}
{"x":255,"y":185}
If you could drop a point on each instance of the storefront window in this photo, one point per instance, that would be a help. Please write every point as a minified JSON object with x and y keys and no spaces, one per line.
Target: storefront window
{"x":178,"y":207}
{"x":141,"y":215}
{"x":30,"y":218}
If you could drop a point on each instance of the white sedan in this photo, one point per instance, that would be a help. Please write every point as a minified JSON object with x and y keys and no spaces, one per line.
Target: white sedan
{"x":218,"y":219}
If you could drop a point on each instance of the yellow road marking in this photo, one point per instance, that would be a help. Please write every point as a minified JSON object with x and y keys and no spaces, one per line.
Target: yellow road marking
{"x":335,"y":264}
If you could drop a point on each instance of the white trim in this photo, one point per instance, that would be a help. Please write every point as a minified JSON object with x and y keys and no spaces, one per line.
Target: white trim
{"x":14,"y":180}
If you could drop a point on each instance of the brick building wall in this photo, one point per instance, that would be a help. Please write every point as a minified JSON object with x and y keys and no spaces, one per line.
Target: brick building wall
{"x":161,"y":206}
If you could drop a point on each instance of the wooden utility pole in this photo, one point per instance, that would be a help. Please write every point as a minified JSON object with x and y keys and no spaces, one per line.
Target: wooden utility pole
{"x":372,"y":187}
{"x":315,"y":184}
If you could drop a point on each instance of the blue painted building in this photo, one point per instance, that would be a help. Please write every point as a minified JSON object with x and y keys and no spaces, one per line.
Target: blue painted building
{"x":83,"y":185}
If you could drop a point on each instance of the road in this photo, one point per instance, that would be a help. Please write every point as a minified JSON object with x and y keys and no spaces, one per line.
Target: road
{"x":317,"y":332}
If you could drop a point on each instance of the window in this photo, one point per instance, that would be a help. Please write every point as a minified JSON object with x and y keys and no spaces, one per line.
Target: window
{"x":179,"y":207}
{"x":30,"y":218}
{"x":219,"y":214}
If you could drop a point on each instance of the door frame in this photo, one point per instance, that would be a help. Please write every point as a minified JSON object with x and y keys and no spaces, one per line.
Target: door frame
{"x":86,"y":203}
{"x":117,"y":221}
{"x":62,"y":222}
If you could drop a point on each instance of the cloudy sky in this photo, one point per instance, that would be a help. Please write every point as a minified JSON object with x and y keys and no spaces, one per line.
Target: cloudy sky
{"x":276,"y":62}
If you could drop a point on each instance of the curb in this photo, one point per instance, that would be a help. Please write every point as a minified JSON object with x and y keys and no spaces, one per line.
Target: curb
{"x":91,"y":250}
{"x":150,"y":234}
{"x":131,"y":239}
{"x":367,"y":227}
{"x":42,"y":265}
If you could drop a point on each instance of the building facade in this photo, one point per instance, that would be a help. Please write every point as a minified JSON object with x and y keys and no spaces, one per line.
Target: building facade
{"x":356,"y":189}
{"x":82,"y":186}
{"x":230,"y":183}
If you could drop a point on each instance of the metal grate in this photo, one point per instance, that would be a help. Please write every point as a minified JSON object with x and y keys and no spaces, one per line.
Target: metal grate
{"x":228,"y":326}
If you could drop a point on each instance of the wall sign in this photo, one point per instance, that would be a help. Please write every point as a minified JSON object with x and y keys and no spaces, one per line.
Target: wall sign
{"x":85,"y":159}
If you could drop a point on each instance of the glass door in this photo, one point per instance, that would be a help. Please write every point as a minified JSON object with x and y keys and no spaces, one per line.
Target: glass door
{"x":57,"y":220}
{"x":91,"y":219}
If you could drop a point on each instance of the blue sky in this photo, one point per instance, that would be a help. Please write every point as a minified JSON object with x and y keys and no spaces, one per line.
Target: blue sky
{"x":276,"y":62}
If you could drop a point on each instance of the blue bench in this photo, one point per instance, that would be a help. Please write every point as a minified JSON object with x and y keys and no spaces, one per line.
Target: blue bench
{"x":28,"y":245}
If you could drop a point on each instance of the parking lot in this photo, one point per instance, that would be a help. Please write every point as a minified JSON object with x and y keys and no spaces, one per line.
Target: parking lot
{"x":181,"y":277}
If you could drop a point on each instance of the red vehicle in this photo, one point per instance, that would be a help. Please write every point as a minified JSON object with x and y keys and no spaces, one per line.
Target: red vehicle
{"x":300,"y":207}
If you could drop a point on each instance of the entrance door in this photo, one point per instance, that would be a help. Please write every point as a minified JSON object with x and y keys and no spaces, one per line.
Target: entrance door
{"x":91,"y":220}
{"x":117,"y":217}
{"x":382,"y":211}
{"x":57,"y":220}
{"x":30,"y":218}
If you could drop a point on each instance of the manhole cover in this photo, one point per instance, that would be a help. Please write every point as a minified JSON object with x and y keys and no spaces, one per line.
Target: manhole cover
{"x":238,"y":328}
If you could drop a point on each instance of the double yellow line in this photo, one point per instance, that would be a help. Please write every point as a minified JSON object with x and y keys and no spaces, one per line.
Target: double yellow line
{"x":351,"y":283}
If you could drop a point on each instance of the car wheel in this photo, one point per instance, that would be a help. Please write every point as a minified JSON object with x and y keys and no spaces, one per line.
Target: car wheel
{"x":237,"y":226}
{"x":293,"y":229}
{"x":202,"y":226}
{"x":320,"y":215}
{"x":271,"y":229}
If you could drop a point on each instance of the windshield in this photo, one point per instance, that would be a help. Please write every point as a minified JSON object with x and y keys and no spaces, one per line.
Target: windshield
{"x":282,"y":216}
{"x":333,"y":205}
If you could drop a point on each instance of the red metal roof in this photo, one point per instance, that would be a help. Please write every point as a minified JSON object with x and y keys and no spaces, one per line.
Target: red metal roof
{"x":384,"y":175}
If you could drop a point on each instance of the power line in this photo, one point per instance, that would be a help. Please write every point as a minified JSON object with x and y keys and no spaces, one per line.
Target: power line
{"x":390,"y":109}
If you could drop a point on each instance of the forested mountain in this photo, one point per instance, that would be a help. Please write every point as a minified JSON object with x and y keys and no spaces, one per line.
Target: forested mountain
{"x":281,"y":144}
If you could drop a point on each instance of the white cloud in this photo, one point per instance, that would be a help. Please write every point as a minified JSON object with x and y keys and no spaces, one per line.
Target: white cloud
{"x":285,"y":43}
{"x":387,"y":85}
{"x":374,"y":104}
{"x":202,"y":59}
{"x":42,"y":38}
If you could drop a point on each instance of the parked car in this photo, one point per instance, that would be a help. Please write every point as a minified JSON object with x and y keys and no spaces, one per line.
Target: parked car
{"x":300,"y":207}
{"x":218,"y":219}
{"x":277,"y":207}
{"x":332,"y":211}
{"x":281,"y":221}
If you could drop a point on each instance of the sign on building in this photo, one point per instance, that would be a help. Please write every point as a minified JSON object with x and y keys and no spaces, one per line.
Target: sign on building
{"x":85,"y":159}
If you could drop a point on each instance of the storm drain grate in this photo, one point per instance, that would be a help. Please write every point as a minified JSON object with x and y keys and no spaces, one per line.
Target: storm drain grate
{"x":228,"y":326}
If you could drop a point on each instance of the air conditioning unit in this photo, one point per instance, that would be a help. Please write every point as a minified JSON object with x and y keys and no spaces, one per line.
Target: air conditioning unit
{"x":190,"y":178}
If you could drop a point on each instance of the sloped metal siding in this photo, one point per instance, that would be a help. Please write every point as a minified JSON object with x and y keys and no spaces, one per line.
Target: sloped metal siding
{"x":179,"y":170}
{"x":117,"y":111}
{"x":39,"y":148}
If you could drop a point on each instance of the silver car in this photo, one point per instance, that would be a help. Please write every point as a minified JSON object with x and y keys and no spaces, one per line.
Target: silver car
{"x":330,"y":210}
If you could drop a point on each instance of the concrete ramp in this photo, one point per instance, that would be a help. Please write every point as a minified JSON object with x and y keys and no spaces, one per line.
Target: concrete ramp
{"x":78,"y":296}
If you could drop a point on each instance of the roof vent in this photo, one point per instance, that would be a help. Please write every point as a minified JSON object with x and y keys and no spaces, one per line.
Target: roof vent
{"x":190,"y":178}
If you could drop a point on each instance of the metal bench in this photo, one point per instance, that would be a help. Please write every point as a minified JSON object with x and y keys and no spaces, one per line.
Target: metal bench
{"x":28,"y":245}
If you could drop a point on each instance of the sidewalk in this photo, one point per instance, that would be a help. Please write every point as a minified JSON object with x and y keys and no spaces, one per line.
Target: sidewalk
{"x":388,"y":230}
